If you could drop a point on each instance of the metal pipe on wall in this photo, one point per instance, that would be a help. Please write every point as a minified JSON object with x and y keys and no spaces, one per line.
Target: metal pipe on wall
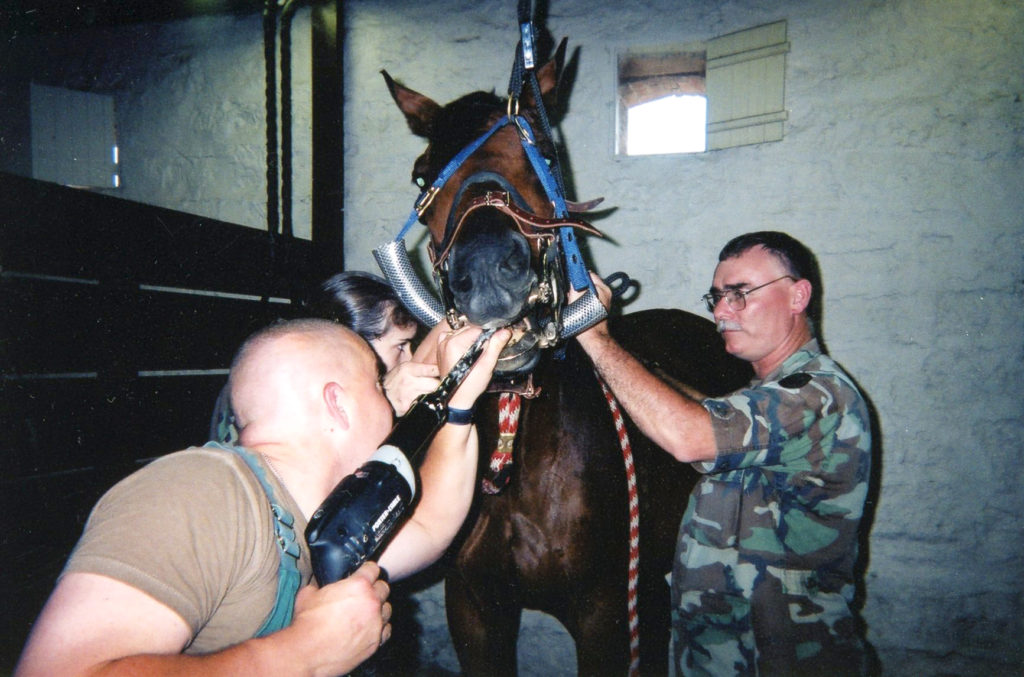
{"x":270,"y":90}
{"x":328,"y":138}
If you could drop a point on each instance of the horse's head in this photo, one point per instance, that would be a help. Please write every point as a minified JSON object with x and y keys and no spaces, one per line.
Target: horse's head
{"x":493,"y":235}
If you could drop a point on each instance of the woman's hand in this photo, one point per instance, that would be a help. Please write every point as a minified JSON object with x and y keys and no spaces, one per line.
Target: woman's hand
{"x":452,"y":345}
{"x":407,"y":381}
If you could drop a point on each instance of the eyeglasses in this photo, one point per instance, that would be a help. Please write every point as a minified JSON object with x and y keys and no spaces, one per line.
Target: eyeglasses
{"x":736,"y":298}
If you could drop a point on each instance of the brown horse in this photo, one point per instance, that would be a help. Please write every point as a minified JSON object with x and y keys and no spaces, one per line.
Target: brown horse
{"x":557,"y":537}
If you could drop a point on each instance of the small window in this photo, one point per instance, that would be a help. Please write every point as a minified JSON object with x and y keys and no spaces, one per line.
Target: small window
{"x":727,"y":92}
{"x":662,"y":103}
{"x":74,"y":140}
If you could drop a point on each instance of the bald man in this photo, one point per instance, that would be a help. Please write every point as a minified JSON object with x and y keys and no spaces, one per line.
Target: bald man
{"x":182,"y":566}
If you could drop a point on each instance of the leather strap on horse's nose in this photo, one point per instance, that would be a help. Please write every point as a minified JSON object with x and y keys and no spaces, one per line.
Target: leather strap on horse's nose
{"x":501,"y":201}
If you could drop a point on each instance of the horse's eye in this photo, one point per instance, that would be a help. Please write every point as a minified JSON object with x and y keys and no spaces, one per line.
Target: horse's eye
{"x":420,"y":181}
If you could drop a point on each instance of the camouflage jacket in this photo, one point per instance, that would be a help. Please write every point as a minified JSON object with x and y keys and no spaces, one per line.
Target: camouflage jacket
{"x":764,"y":569}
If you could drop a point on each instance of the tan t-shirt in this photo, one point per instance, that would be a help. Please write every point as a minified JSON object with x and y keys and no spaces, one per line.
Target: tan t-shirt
{"x":194,"y":530}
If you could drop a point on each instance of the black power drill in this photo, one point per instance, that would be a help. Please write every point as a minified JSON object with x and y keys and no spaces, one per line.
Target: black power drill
{"x":362,"y":511}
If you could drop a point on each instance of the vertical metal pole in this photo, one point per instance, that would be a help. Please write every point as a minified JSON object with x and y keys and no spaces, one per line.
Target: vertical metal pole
{"x":270,"y":60}
{"x":328,"y":138}
{"x":286,"y":118}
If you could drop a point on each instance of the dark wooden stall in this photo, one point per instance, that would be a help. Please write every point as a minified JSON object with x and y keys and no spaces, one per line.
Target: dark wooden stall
{"x":117,"y":323}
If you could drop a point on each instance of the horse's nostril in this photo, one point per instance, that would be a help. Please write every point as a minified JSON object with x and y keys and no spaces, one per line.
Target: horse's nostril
{"x":513,"y":264}
{"x":462,"y":284}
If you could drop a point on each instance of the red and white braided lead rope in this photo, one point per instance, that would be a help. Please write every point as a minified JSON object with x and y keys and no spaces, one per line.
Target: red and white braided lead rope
{"x":634,"y":531}
{"x":509,"y":405}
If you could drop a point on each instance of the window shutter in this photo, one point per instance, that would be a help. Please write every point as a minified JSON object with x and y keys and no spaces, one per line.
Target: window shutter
{"x":746,"y":86}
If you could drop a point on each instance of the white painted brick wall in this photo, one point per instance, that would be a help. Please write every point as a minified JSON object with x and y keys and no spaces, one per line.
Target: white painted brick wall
{"x":902,"y":168}
{"x":190,"y":109}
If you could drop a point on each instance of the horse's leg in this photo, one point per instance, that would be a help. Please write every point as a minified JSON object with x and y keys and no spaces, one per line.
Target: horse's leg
{"x":601,"y":632}
{"x":480,"y":594}
{"x":484,"y":631}
{"x":481,"y":603}
{"x":602,"y":638}
{"x":655,"y":626}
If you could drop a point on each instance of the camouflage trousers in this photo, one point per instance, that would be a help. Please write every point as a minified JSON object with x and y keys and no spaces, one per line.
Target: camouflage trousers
{"x":778,"y":623}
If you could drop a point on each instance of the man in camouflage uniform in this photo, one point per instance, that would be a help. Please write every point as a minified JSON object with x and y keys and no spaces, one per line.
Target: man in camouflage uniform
{"x":764,"y":569}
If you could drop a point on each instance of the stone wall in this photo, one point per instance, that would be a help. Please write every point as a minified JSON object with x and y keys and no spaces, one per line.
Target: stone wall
{"x":190,"y":109}
{"x":901,"y":168}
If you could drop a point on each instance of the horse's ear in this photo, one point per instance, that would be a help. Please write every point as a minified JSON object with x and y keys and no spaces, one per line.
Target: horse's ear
{"x":420,"y":111}
{"x":548,"y":77}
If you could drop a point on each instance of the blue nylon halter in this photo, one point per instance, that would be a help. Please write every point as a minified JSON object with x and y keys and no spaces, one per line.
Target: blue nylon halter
{"x":446,"y":174}
{"x":578,"y":275}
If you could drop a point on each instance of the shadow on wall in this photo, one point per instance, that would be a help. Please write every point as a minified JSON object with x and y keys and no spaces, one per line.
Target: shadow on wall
{"x":866,"y":525}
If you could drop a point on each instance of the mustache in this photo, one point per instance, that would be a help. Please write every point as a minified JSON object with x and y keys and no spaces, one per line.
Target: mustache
{"x":727,"y":325}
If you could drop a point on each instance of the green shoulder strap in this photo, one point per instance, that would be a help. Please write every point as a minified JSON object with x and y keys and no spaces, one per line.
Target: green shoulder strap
{"x":288,"y":576}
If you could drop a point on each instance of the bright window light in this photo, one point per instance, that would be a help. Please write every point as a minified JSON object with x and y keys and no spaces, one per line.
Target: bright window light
{"x":671,"y":124}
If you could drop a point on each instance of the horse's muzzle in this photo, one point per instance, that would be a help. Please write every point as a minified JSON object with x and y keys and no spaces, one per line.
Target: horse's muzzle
{"x":490,"y":274}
